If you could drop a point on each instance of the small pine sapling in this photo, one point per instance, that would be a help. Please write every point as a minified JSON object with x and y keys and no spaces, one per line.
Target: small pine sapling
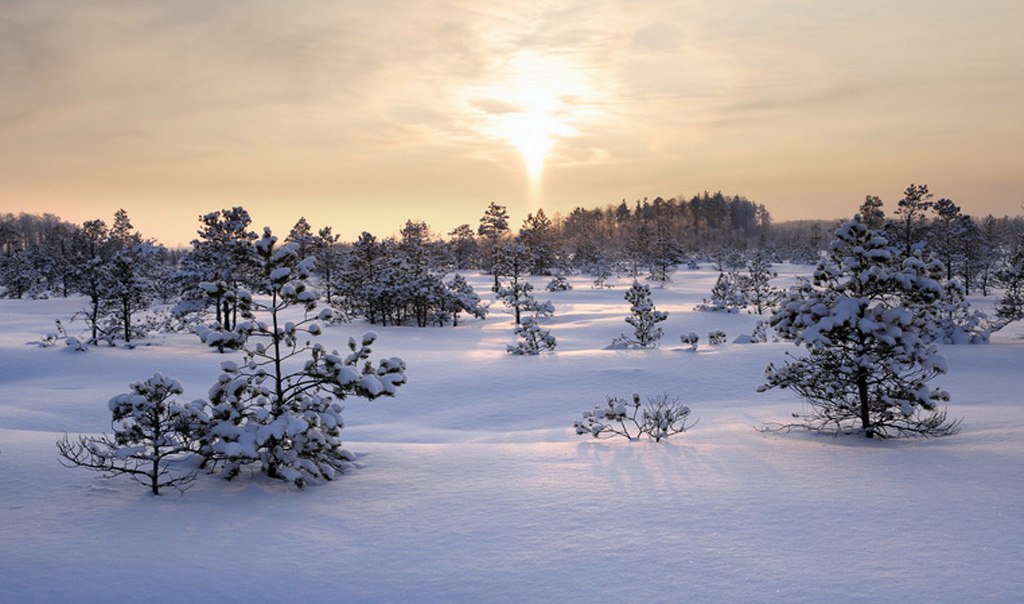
{"x":534,"y":338}
{"x":690,"y":339}
{"x":559,"y":284}
{"x":644,"y":319}
{"x":716,"y":337}
{"x":152,"y":432}
{"x":657,"y":419}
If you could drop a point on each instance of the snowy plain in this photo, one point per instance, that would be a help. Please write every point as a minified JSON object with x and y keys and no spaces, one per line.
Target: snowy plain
{"x":471,"y":486}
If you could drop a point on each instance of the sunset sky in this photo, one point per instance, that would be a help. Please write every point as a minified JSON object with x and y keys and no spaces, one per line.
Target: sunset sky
{"x":359,"y":115}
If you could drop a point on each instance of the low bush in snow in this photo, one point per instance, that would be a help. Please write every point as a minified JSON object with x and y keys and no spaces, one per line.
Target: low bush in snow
{"x":534,"y":338}
{"x":658,"y":418}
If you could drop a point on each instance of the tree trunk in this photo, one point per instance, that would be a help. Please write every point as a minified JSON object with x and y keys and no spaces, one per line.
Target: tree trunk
{"x":865,"y":416}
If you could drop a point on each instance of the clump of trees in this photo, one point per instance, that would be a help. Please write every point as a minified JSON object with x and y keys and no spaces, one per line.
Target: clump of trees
{"x":278,"y":410}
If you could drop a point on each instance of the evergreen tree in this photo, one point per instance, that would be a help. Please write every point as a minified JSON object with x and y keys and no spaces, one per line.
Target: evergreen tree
{"x":18,"y":274}
{"x":947,"y":237}
{"x":463,"y":247}
{"x":910,"y":224}
{"x":279,"y":407}
{"x":867,"y":321}
{"x":726,"y":295}
{"x":755,"y":287}
{"x":130,"y":288}
{"x":1010,"y":306}
{"x":534,"y":338}
{"x":536,"y":235}
{"x":462,"y":299}
{"x":223,"y":255}
{"x":514,"y":261}
{"x":493,"y":226}
{"x":871,"y":212}
{"x":302,"y":236}
{"x":644,"y":318}
{"x":330,"y":261}
{"x":151,"y":433}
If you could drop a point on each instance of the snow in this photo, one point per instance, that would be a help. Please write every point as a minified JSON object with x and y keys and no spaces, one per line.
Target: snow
{"x":471,"y":485}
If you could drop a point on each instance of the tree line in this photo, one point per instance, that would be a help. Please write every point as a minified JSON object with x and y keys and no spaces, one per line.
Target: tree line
{"x":411,"y":278}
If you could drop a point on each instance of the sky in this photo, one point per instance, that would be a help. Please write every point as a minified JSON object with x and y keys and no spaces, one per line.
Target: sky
{"x":360,"y":115}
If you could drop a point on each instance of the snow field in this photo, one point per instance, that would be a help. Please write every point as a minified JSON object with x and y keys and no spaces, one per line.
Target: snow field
{"x":471,"y":486}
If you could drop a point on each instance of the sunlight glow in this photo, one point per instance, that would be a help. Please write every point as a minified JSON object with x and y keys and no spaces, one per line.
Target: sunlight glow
{"x":533,"y":100}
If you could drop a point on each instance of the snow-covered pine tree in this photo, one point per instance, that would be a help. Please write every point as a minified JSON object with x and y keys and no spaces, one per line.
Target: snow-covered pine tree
{"x":868,"y":324}
{"x":279,"y":407}
{"x":558,"y":284}
{"x":536,"y":235}
{"x":460,"y":298}
{"x":493,"y":226}
{"x":534,"y":339}
{"x":726,"y":295}
{"x":756,"y":289}
{"x":514,"y":261}
{"x":330,"y":261}
{"x":463,"y":248}
{"x":222,"y":261}
{"x":19,"y":274}
{"x":93,"y":250}
{"x":956,"y":321}
{"x":130,"y":289}
{"x":151,"y":433}
{"x":1010,"y":306}
{"x":644,"y":318}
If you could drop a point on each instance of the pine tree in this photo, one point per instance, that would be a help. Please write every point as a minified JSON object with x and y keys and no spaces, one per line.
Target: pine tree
{"x":644,"y":318}
{"x":514,"y":261}
{"x":130,"y":289}
{"x":726,"y":295}
{"x":910,"y":224}
{"x":493,"y":226}
{"x":279,"y":407}
{"x":462,"y":299}
{"x":867,"y":322}
{"x":755,"y":287}
{"x":534,"y":338}
{"x":151,"y":433}
{"x":223,"y":255}
{"x":1010,"y":306}
{"x":536,"y":236}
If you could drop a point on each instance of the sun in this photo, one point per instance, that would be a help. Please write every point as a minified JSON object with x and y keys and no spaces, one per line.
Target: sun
{"x":531,"y":102}
{"x":532,"y":133}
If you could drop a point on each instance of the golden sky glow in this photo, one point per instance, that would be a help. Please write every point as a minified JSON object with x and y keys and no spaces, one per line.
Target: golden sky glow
{"x":362,"y":114}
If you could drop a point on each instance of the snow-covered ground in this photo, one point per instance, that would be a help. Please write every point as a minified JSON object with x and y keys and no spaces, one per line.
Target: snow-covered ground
{"x":471,"y":485}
